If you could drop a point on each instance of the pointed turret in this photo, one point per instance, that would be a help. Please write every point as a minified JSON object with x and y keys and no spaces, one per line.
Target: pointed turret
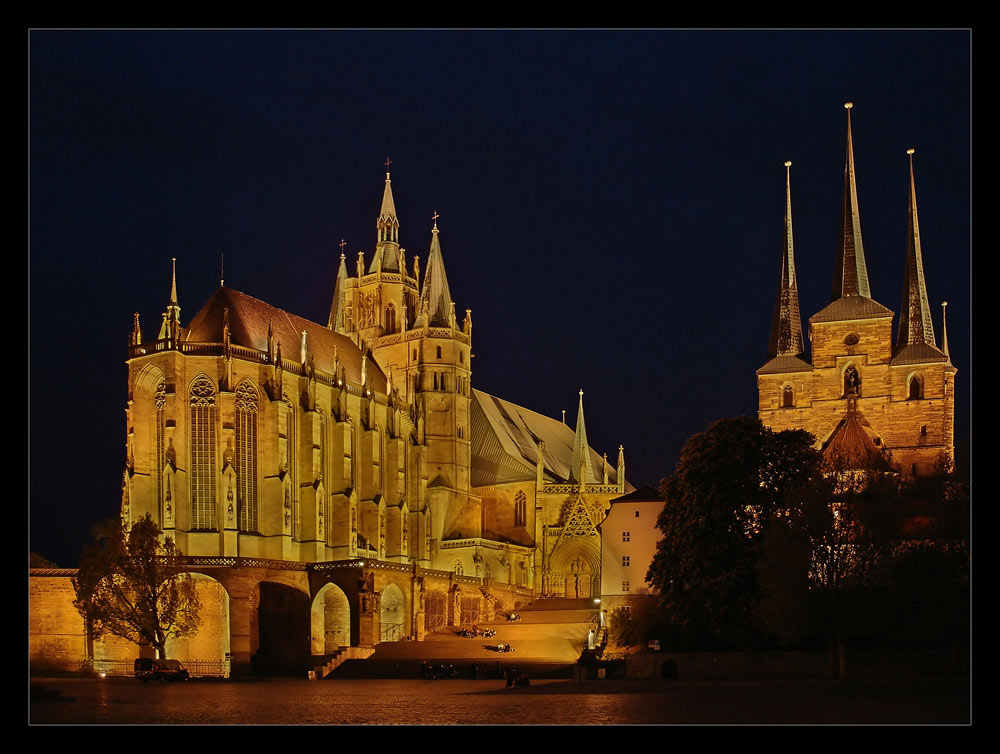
{"x":387,"y":229}
{"x":915,"y":325}
{"x":136,"y":338}
{"x":337,"y":321}
{"x":172,"y":316}
{"x":436,"y":306}
{"x":786,"y":325}
{"x":851,"y":274}
{"x":580,"y":469}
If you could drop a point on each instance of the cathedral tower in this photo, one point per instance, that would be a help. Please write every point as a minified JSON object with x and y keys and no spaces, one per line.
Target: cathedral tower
{"x":900,"y":397}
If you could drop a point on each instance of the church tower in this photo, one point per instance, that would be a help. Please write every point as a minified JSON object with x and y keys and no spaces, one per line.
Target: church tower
{"x":895,"y":397}
{"x":412,"y":333}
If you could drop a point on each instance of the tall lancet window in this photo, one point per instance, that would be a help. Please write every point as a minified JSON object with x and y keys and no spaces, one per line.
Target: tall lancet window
{"x":520,"y":508}
{"x":160,"y":460}
{"x":247,"y":402}
{"x":289,"y":462}
{"x":390,"y":319}
{"x":852,"y":382}
{"x":203,"y":454}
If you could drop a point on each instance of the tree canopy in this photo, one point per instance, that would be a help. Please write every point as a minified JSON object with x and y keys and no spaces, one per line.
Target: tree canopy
{"x":718,"y":504}
{"x":132,"y":585}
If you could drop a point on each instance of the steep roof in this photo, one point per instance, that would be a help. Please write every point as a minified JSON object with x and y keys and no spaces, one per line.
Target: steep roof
{"x":915,"y":324}
{"x":644,"y":495}
{"x":786,"y":324}
{"x":505,"y":444}
{"x":248,"y":321}
{"x":435,"y":304}
{"x":851,"y":307}
{"x":782,"y":364}
{"x":852,"y":444}
{"x":851,"y":274}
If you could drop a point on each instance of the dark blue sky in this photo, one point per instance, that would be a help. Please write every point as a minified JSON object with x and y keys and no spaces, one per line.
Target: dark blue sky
{"x":611,"y":207}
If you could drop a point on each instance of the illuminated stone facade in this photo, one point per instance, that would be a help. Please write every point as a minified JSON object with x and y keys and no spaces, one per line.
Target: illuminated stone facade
{"x":354,"y":464}
{"x":898,"y":395}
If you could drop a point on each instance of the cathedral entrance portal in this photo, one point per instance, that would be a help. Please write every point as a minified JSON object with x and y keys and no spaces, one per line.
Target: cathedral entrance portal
{"x":284,"y":627}
{"x":575,"y":570}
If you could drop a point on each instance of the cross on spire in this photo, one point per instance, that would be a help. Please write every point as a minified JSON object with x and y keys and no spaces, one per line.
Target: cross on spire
{"x":435,"y":217}
{"x":342,"y":244}
{"x":388,"y":162}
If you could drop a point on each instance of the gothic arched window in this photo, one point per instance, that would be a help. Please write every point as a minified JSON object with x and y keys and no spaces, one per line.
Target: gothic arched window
{"x":159,"y":401}
{"x":390,"y":319}
{"x":787,"y":397}
{"x":288,"y":425}
{"x":916,"y":390}
{"x":202,"y":401}
{"x":246,"y":457}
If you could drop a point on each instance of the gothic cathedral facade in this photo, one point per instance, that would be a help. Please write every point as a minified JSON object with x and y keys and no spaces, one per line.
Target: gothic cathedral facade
{"x":255,"y":433}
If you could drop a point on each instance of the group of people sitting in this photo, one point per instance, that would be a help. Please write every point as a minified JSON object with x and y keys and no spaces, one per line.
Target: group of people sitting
{"x":513,"y":617}
{"x":475,"y":632}
{"x":502,"y":647}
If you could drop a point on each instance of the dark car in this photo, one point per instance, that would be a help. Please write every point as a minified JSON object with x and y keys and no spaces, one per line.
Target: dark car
{"x":148,"y":669}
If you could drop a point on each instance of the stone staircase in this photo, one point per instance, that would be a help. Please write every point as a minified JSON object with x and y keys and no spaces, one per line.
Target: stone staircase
{"x":547,"y":640}
{"x":338,"y":658}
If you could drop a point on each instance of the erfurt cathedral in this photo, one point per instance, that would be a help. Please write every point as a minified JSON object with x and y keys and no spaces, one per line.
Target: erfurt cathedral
{"x":869,"y":399}
{"x":257,"y":435}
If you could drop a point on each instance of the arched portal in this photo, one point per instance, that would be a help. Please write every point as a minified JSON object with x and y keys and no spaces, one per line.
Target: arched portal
{"x":283,"y":619}
{"x":391,"y":613}
{"x":205,"y":652}
{"x":331,"y":620}
{"x":575,"y":570}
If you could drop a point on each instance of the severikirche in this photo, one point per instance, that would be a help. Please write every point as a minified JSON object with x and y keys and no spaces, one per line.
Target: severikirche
{"x":867,"y":398}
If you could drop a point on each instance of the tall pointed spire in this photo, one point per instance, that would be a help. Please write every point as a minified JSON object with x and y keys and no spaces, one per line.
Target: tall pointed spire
{"x":786,"y":324}
{"x":581,"y":451}
{"x":944,"y":327}
{"x":915,"y":324}
{"x":172,"y":316}
{"x":337,"y":321}
{"x":851,"y":274}
{"x":435,"y":309}
{"x":387,"y":227}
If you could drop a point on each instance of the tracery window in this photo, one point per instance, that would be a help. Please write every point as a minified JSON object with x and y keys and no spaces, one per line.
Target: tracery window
{"x":787,"y":397}
{"x":247,"y":402}
{"x":289,"y":461}
{"x":390,"y":319}
{"x":160,"y":460}
{"x":202,"y":401}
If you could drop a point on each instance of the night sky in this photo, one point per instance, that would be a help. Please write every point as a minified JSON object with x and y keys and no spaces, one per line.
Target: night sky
{"x":611,"y":208}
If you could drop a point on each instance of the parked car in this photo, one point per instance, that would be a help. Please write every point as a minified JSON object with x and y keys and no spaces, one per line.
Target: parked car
{"x":148,"y":669}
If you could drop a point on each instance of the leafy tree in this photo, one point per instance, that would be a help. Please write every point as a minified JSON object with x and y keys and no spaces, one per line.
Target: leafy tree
{"x":719,"y":501}
{"x":133,"y":586}
{"x":825,"y":560}
{"x":36,"y":560}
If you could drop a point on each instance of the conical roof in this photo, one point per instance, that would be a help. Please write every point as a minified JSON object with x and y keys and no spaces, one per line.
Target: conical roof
{"x":581,"y":450}
{"x":851,"y":274}
{"x":435,"y":297}
{"x":786,"y":324}
{"x":915,"y":324}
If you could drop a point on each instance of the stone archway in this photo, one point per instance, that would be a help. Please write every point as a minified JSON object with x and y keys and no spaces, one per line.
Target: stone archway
{"x":330,"y":620}
{"x":206,"y":652}
{"x":392,"y":614}
{"x":575,"y":570}
{"x":284,"y":629}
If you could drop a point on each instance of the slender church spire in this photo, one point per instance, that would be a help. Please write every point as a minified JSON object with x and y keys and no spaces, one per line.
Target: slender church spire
{"x":851,"y":275}
{"x":172,"y":316}
{"x":387,"y":227}
{"x":435,"y":299}
{"x":786,"y":325}
{"x":581,"y":470}
{"x":944,"y":327}
{"x":915,"y":324}
{"x":337,"y":321}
